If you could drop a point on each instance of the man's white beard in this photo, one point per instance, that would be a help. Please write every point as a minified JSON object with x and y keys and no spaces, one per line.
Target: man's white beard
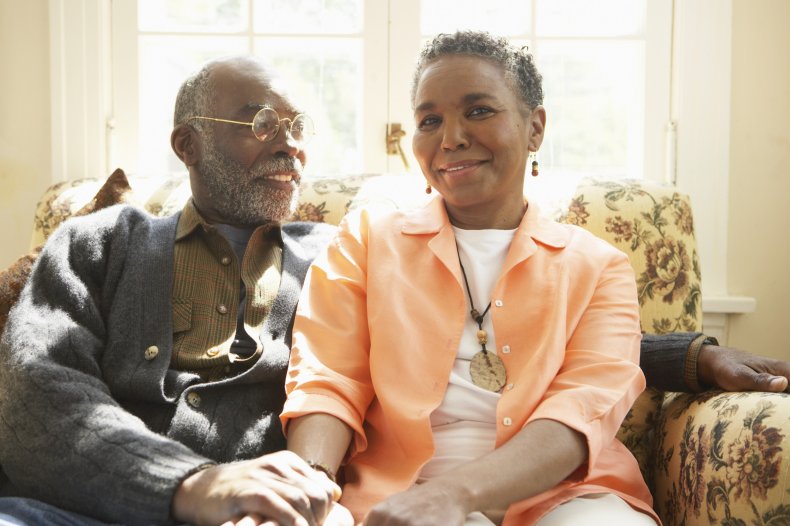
{"x":239,"y":195}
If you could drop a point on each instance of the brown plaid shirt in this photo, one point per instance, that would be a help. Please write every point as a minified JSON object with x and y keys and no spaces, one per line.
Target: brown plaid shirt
{"x":206,"y":294}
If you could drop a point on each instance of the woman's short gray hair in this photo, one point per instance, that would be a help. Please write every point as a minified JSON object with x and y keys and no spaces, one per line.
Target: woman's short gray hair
{"x":517,"y":63}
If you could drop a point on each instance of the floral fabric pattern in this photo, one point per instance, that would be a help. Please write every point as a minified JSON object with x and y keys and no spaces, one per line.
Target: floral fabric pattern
{"x":730,"y":450}
{"x":653,"y":224}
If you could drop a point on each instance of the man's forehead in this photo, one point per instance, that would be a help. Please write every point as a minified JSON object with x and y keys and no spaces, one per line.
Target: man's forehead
{"x":281,"y":95}
{"x":250,"y":85}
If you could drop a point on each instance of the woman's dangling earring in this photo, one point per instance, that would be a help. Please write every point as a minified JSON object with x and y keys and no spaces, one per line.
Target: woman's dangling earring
{"x":427,"y":187}
{"x":534,"y":164}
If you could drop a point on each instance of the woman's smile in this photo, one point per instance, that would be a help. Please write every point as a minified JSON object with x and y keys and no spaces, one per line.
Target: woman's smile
{"x":459,"y":168}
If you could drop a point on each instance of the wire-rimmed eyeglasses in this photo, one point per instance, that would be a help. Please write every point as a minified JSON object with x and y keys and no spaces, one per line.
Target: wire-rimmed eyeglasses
{"x":265,"y":125}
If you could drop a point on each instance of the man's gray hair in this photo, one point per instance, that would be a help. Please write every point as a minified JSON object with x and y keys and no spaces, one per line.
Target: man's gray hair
{"x":516,"y":62}
{"x":194,"y":97}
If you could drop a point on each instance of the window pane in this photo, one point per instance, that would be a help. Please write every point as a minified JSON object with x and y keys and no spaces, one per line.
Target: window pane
{"x":594,"y":99}
{"x":587,"y":18}
{"x":308,"y":16}
{"x":500,"y":17}
{"x":325,"y":77}
{"x":164,"y":63}
{"x":205,"y":16}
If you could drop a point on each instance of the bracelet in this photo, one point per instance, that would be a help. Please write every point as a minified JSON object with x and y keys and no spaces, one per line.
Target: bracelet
{"x":323,"y":468}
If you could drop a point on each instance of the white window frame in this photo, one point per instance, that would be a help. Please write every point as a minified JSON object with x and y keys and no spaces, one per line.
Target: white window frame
{"x":83,"y":115}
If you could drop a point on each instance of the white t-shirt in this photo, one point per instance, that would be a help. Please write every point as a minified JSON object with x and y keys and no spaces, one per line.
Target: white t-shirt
{"x":464,"y":425}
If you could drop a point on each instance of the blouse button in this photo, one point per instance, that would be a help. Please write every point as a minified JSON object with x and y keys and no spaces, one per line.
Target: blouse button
{"x":498,"y":303}
{"x":151,"y":352}
{"x":193,"y":399}
{"x":507,"y":421}
{"x":222,"y":309}
{"x":509,"y":387}
{"x":506,"y":349}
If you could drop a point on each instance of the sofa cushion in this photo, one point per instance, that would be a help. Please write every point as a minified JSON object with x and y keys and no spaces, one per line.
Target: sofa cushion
{"x":115,"y":190}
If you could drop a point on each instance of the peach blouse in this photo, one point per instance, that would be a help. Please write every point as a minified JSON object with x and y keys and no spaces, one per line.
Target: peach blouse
{"x":378,"y":327}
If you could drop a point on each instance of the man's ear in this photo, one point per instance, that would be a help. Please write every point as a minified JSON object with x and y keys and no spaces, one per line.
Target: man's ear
{"x":186,"y":144}
{"x":537,"y":123}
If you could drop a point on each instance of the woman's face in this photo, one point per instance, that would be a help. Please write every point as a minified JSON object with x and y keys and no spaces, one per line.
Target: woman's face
{"x":473,"y":135}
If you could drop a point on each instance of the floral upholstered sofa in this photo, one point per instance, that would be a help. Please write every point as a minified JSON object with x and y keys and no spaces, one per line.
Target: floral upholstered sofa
{"x":709,"y":458}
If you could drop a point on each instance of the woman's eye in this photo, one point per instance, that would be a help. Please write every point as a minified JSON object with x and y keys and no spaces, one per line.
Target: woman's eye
{"x":428,"y":123}
{"x":478,"y":112}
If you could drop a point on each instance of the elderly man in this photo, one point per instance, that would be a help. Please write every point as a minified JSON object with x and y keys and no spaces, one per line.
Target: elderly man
{"x":147,"y":354}
{"x":142,"y":371}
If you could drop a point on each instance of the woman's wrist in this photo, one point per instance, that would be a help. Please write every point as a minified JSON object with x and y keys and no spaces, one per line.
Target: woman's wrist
{"x":461,"y":489}
{"x":323,"y":468}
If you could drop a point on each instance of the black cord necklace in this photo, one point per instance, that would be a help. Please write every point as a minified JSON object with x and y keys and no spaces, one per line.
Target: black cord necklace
{"x":486,"y":368}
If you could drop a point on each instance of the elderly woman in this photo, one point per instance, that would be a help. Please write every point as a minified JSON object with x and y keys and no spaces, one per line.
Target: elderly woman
{"x":470,"y":362}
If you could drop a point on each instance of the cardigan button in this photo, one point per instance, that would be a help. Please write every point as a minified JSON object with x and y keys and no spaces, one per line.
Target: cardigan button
{"x":193,"y":399}
{"x":151,"y":352}
{"x":222,"y":309}
{"x":225,"y":260}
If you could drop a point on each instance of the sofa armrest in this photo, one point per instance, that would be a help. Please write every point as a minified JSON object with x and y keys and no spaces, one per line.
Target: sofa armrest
{"x":723,"y":458}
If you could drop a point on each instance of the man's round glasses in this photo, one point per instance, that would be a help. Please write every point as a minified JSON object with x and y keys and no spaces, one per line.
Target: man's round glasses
{"x":266,"y":125}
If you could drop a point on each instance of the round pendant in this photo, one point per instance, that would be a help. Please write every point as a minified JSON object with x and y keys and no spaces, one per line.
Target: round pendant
{"x":487,"y":371}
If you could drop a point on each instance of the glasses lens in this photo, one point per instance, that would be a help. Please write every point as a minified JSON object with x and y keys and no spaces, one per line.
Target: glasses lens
{"x":265,"y":124}
{"x":302,"y":128}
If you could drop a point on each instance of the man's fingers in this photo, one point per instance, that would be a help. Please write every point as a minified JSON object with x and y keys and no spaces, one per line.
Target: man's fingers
{"x":318,"y":488}
{"x":745,"y":378}
{"x":253,"y":519}
{"x":338,"y":516}
{"x":320,"y":478}
{"x":777,"y":384}
{"x":279,"y":503}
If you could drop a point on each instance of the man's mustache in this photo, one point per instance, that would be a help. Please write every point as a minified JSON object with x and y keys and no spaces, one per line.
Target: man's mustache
{"x":280,"y":165}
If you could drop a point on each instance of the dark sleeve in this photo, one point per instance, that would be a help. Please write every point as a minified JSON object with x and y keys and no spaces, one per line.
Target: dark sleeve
{"x":663,"y":359}
{"x":64,"y":438}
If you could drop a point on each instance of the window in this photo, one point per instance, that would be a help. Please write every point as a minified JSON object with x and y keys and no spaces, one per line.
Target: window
{"x":316,"y":45}
{"x":339,"y":60}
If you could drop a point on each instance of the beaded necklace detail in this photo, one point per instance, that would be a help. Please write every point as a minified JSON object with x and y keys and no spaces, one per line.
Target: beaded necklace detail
{"x":486,"y":368}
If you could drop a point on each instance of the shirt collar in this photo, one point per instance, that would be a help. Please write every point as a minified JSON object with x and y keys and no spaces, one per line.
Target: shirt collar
{"x":432,"y":218}
{"x":191,"y":219}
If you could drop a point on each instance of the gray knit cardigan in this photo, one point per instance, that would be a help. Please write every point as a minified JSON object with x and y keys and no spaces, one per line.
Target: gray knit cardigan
{"x":92,"y":423}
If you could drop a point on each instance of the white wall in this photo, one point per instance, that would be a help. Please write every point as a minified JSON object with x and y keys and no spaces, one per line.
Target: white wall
{"x":759,"y":202}
{"x":25,"y":142}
